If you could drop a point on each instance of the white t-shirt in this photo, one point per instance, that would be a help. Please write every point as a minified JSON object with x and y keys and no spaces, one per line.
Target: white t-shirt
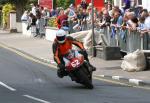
{"x":34,"y":11}
{"x":24,"y":17}
{"x":147,"y":23}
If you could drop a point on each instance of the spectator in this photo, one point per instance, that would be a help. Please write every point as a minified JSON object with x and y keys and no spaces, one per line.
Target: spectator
{"x":132,"y":21}
{"x":117,"y":19}
{"x":146,"y":18}
{"x":38,"y":21}
{"x":84,"y":4}
{"x":109,"y":8}
{"x":106,"y":20}
{"x":33,"y":11}
{"x":62,"y":19}
{"x":106,"y":5}
{"x":133,"y":3}
{"x":127,"y":4}
{"x":135,"y":21}
{"x":25,"y":16}
{"x":46,"y":15}
{"x":31,"y":21}
{"x":100,"y":15}
{"x":52,"y":13}
{"x":141,"y":23}
{"x":147,"y":22}
{"x":72,"y":15}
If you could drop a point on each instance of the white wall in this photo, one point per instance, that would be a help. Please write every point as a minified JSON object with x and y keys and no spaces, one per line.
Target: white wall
{"x":117,"y":3}
{"x":146,"y":4}
{"x":19,"y":26}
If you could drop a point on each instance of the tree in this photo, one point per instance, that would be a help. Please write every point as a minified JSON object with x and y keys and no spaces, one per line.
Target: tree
{"x":63,"y":3}
{"x":67,"y":3}
{"x":19,"y":4}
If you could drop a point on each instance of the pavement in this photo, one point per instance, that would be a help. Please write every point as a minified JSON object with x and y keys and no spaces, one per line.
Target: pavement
{"x":41,"y":49}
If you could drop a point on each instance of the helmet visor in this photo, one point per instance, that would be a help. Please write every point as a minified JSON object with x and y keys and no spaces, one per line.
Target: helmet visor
{"x":61,"y":38}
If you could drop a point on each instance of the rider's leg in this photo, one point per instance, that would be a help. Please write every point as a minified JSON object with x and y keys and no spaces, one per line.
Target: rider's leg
{"x":84,"y":53}
{"x":61,"y":72}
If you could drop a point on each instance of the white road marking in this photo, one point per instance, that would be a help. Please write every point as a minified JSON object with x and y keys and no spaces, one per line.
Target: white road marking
{"x":36,"y":99}
{"x":135,"y":81}
{"x":6,"y":86}
{"x":101,"y":75}
{"x":116,"y":77}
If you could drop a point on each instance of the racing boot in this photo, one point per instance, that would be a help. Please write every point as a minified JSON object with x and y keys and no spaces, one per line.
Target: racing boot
{"x":61,"y":73}
{"x":92,"y":67}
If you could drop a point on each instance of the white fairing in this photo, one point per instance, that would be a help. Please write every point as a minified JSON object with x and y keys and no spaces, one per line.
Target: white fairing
{"x":75,"y":53}
{"x":66,"y":61}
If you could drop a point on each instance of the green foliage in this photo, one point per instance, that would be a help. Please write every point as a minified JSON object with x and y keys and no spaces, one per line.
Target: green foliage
{"x":33,"y":1}
{"x":52,"y":22}
{"x":63,"y":3}
{"x":28,"y":6}
{"x":16,"y":2}
{"x":21,"y":2}
{"x":6,"y":10}
{"x":67,"y":3}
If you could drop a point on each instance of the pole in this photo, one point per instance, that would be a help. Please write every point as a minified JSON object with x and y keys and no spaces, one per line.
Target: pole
{"x":93,"y":36}
{"x":52,"y":4}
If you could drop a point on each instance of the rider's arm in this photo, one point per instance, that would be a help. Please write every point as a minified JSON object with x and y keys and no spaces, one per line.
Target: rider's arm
{"x":76,"y":43}
{"x":55,"y":52}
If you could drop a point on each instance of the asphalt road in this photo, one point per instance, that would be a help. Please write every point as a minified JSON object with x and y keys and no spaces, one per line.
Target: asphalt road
{"x":25,"y":81}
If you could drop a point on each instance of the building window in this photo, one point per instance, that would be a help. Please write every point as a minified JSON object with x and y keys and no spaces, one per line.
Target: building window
{"x":139,"y":2}
{"x":133,"y":2}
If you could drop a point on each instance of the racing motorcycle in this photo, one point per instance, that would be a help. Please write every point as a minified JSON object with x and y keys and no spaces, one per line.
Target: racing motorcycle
{"x":78,"y":69}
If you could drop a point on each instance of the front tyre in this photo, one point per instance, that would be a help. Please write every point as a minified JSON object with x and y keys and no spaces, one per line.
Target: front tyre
{"x":83,"y":78}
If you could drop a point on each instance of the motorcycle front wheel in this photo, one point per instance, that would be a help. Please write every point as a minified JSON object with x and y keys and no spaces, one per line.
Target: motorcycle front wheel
{"x":83,"y":78}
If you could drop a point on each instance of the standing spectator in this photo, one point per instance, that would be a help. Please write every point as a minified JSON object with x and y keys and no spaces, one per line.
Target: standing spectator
{"x":46,"y":15}
{"x":147,"y":19}
{"x":31,"y":21}
{"x":117,"y":19}
{"x":133,"y":3}
{"x":109,"y":8}
{"x":33,"y":11}
{"x":132,"y":22}
{"x":79,"y":20}
{"x":106,"y":19}
{"x":72,"y":15}
{"x":141,"y":23}
{"x":127,"y":4}
{"x":38,"y":22}
{"x":62,"y":18}
{"x":84,"y":4}
{"x":89,"y":12}
{"x":100,"y":15}
{"x":53,"y":13}
{"x":25,"y":16}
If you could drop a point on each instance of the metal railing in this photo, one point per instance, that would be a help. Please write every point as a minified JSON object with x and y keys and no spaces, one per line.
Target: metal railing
{"x":127,"y":40}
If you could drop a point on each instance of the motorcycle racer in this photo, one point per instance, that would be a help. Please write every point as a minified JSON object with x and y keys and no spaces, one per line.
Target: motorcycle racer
{"x":61,"y":45}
